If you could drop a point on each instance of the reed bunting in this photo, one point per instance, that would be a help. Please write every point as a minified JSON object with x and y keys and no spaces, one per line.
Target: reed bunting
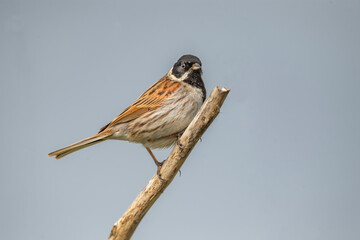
{"x":159,"y":116}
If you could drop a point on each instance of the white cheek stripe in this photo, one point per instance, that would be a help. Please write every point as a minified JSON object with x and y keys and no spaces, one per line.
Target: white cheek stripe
{"x":183,"y":77}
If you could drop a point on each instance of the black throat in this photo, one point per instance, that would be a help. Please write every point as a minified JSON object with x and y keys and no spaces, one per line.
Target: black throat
{"x":194,"y":79}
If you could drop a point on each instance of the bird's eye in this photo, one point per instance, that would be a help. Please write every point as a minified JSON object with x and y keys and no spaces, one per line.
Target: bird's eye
{"x":183,"y":65}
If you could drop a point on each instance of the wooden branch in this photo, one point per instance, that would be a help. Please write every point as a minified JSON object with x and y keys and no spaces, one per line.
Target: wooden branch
{"x":124,"y":228}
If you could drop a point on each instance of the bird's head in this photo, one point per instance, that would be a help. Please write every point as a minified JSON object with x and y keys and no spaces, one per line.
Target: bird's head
{"x":186,"y":65}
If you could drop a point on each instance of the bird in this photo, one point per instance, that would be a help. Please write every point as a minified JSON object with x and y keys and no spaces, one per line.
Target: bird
{"x":159,"y":116}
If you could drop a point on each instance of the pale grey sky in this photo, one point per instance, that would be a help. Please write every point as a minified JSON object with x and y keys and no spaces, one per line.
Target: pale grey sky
{"x":280,"y":162}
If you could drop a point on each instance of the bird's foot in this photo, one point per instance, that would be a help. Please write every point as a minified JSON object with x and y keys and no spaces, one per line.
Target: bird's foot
{"x":180,"y":145}
{"x":178,"y":140}
{"x":159,"y":165}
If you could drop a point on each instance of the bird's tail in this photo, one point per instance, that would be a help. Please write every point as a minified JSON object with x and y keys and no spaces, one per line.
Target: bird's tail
{"x":87,"y":142}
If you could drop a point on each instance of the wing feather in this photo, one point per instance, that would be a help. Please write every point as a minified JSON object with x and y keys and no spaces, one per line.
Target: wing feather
{"x":148,"y":101}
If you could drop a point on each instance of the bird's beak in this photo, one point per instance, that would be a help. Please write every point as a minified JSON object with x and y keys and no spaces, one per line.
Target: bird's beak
{"x":195,"y":66}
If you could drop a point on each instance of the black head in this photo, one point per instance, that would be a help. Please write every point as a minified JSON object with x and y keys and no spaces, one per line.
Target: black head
{"x":186,"y":64}
{"x":188,"y":70}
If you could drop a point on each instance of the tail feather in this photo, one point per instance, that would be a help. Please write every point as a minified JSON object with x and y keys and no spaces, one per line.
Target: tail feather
{"x":87,"y":142}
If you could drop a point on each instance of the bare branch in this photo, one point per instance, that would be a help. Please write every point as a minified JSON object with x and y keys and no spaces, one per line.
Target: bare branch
{"x":124,"y":228}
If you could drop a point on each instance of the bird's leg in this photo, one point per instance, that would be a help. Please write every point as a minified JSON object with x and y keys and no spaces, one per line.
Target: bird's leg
{"x":158,"y":164}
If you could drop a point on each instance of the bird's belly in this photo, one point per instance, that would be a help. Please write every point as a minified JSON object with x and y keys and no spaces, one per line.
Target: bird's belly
{"x":159,"y":128}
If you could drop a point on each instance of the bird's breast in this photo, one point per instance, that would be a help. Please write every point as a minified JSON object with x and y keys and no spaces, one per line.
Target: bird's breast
{"x":172,"y":117}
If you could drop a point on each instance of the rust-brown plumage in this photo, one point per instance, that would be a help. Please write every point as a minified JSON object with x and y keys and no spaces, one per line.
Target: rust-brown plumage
{"x":147,"y":102}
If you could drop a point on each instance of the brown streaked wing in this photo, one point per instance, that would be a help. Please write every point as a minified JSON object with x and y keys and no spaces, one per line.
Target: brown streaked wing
{"x":148,"y":101}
